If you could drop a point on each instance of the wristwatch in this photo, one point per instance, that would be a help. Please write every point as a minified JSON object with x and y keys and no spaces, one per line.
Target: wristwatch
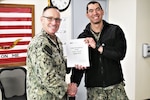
{"x":61,"y":4}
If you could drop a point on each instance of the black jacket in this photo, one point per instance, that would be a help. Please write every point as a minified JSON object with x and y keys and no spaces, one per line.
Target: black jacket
{"x":105,"y":69}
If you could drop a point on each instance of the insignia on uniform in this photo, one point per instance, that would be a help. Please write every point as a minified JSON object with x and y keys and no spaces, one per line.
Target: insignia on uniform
{"x":47,"y":50}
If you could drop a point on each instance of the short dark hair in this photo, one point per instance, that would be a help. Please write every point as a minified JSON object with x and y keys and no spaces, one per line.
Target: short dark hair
{"x":49,"y":7}
{"x":93,"y":2}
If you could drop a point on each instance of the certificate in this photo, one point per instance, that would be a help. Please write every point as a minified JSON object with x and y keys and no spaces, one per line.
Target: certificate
{"x":77,"y":52}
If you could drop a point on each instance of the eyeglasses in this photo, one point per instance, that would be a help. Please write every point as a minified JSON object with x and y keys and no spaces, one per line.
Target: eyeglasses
{"x":50,"y":19}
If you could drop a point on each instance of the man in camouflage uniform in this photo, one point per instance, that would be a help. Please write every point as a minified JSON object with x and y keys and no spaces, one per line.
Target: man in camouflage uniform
{"x":46,"y":67}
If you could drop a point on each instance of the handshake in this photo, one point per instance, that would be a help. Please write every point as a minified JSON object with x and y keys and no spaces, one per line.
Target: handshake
{"x":72,"y":89}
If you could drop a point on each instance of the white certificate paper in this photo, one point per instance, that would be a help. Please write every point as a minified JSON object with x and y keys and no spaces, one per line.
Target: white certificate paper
{"x":77,"y":53}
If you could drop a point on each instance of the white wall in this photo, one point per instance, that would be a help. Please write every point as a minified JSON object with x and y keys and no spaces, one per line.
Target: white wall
{"x":123,"y":13}
{"x":143,"y":36}
{"x":133,"y":16}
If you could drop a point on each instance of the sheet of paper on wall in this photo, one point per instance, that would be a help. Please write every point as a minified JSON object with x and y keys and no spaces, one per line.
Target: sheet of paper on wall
{"x":77,"y":53}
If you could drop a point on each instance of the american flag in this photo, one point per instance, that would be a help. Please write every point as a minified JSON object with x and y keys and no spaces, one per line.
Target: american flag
{"x":15,"y":33}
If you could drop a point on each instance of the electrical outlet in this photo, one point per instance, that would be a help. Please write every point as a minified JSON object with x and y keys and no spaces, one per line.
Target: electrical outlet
{"x":146,"y":50}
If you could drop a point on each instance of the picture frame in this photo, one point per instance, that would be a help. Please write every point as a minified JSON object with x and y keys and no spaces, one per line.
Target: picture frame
{"x":17,"y":27}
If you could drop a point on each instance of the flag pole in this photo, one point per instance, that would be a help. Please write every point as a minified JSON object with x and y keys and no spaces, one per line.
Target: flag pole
{"x":48,"y":2}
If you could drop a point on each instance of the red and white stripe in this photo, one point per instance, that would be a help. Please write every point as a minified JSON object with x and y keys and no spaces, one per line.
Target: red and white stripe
{"x":15,"y":23}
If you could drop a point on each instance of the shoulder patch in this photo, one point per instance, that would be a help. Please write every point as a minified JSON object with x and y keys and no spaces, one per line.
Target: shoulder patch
{"x":47,"y":50}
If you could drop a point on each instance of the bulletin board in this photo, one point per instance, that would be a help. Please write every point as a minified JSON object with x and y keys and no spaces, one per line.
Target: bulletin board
{"x":16,"y":30}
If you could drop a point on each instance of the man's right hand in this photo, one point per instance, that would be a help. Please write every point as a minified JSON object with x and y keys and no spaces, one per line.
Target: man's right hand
{"x":72,"y":89}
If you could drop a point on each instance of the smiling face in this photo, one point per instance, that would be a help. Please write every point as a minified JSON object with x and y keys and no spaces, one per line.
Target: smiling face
{"x":51,"y":21}
{"x":95,"y":13}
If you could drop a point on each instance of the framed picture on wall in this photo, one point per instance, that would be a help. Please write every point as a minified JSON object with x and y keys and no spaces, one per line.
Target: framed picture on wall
{"x":16,"y":30}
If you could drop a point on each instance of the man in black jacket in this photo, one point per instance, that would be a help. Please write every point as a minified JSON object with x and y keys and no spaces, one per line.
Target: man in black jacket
{"x":107,"y":47}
